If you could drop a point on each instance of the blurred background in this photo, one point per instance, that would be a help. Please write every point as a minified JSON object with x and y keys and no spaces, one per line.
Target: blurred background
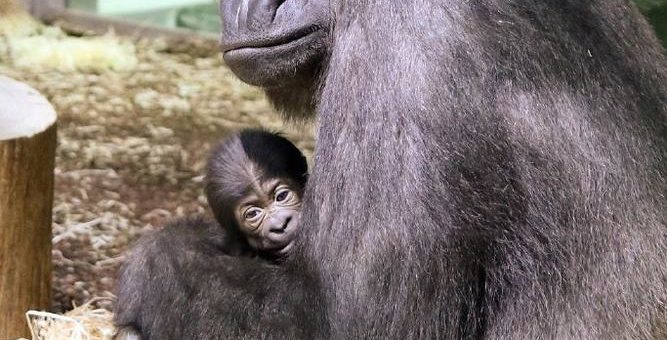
{"x":200,"y":15}
{"x":656,"y":12}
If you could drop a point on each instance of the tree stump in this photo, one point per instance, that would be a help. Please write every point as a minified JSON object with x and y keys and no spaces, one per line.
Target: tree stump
{"x":27,"y":155}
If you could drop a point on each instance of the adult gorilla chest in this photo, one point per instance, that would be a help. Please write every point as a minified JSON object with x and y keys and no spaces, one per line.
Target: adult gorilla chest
{"x":469,"y":160}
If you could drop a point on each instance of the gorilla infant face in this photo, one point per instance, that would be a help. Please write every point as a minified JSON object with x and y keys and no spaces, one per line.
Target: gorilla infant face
{"x":255,"y":181}
{"x":269,"y":215}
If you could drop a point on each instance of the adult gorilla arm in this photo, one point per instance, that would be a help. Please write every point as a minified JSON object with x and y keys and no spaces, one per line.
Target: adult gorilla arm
{"x":278,"y":45}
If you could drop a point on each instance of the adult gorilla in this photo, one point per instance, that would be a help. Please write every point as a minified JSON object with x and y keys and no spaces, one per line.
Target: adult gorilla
{"x":485,"y":169}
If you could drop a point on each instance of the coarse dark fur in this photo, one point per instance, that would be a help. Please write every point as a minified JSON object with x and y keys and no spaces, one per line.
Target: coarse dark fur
{"x":236,"y":163}
{"x":184,"y":271}
{"x":485,"y":169}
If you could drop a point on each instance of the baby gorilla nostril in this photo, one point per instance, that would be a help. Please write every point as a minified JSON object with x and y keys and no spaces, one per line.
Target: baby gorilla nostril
{"x":287,"y":221}
{"x":280,"y":228}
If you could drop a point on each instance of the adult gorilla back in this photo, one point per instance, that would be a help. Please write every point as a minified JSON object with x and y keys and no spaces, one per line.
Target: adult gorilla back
{"x":484,"y":169}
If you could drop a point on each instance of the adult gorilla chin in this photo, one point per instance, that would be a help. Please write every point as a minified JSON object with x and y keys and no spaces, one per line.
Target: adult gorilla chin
{"x":485,"y":169}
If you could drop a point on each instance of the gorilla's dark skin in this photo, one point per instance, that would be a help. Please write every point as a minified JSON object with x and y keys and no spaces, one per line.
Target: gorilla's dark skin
{"x":484,"y":170}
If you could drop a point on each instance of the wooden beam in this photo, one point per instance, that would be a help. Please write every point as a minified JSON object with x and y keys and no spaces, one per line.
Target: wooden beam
{"x":27,"y":152}
{"x":100,"y":25}
{"x":43,"y":8}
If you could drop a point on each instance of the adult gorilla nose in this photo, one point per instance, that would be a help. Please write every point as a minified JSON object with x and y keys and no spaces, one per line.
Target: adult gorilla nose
{"x":248,"y":15}
{"x":245,"y":23}
{"x":261,"y":13}
{"x":274,"y":43}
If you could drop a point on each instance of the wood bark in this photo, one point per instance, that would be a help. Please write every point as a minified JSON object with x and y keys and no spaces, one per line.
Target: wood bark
{"x":26,"y":200}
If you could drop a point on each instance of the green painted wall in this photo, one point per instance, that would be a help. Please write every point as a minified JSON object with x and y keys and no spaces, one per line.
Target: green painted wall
{"x":116,"y":7}
{"x":658,"y":17}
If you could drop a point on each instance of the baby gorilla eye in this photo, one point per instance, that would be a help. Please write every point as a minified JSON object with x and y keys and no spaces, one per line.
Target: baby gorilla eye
{"x":282,"y":195}
{"x":252,"y":213}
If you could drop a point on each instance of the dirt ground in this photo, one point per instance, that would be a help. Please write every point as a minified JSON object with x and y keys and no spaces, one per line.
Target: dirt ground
{"x":132,"y":147}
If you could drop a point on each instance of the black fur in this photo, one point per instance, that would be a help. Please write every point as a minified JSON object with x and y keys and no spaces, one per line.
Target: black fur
{"x":485,"y":169}
{"x":183,"y":271}
{"x":165,"y":268}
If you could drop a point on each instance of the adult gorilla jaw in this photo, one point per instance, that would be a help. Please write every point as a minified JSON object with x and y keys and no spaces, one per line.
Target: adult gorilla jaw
{"x":276,"y":62}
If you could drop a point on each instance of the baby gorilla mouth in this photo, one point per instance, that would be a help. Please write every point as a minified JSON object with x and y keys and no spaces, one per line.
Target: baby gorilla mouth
{"x":280,"y":240}
{"x":276,"y":251}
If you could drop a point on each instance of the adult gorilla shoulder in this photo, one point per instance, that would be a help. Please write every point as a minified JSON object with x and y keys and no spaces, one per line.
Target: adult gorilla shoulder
{"x":484,"y":169}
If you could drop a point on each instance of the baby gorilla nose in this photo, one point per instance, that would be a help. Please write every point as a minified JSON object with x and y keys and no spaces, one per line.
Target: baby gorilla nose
{"x":280,"y":226}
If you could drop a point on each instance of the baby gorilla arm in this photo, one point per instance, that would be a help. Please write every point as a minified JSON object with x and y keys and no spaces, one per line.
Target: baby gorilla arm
{"x":178,"y":284}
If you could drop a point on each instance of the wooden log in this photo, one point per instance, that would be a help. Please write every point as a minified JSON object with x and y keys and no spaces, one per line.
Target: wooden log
{"x":77,"y":21}
{"x":27,"y":150}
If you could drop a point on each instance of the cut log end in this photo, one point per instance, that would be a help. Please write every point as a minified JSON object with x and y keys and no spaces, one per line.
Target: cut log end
{"x":23,"y":111}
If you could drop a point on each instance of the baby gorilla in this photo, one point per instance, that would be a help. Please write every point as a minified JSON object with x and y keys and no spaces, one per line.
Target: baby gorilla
{"x":255,"y":181}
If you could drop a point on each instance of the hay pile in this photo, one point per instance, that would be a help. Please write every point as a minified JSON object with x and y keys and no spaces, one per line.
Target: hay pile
{"x":132,"y":146}
{"x":25,"y":43}
{"x":50,"y":48}
{"x":86,"y":322}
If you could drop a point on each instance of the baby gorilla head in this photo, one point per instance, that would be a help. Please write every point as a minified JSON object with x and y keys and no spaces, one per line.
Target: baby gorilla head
{"x":255,"y":181}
